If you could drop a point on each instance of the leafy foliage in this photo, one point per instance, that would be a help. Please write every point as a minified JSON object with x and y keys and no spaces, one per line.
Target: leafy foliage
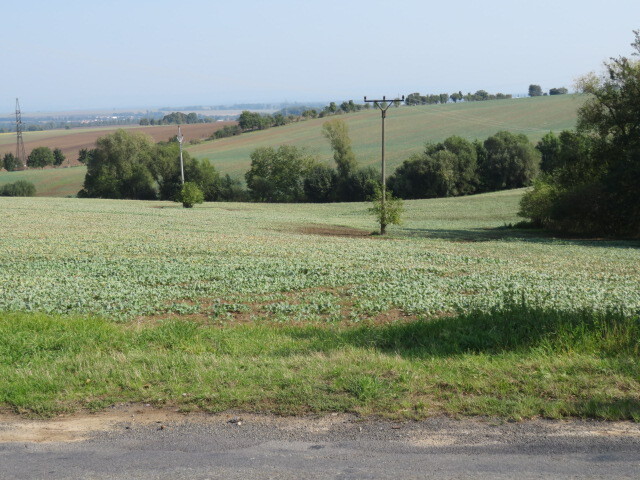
{"x":425,"y":176}
{"x":20,"y":188}
{"x":386,"y":209}
{"x":190,"y":195}
{"x":84,"y":155}
{"x":320,"y":184}
{"x":535,"y":90}
{"x":40,"y":157}
{"x":118,"y":167}
{"x":549,"y":148}
{"x":360,"y":185}
{"x":126,"y":165}
{"x":510,"y":161}
{"x":337,"y":132}
{"x":278,"y":175}
{"x":596,"y":179}
{"x":10,"y":162}
{"x":58,"y":157}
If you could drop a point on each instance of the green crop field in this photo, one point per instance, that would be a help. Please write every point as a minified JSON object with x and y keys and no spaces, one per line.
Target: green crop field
{"x":407,"y":129}
{"x":50,"y":182}
{"x":298,"y":309}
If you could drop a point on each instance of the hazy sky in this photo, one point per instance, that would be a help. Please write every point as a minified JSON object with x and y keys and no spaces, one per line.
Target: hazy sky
{"x":65,"y":55}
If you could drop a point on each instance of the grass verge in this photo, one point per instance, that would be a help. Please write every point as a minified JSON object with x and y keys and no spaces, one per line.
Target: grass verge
{"x":514,"y":362}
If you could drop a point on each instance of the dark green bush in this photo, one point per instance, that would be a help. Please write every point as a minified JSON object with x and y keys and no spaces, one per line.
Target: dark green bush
{"x":21,"y":188}
{"x":10,"y":162}
{"x":320,"y":184}
{"x":190,"y":194}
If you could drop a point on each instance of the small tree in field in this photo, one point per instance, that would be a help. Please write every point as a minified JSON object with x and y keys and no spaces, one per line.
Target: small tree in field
{"x":190,"y":195}
{"x":10,"y":162}
{"x":40,"y":157}
{"x":58,"y":157}
{"x":535,"y":91}
{"x":388,"y":212}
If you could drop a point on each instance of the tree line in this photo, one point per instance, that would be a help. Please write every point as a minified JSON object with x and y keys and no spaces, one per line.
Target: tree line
{"x":457,"y":167}
{"x":178,"y":118}
{"x":129,"y":165}
{"x":536,"y":91}
{"x":39,"y":157}
{"x":433,"y":99}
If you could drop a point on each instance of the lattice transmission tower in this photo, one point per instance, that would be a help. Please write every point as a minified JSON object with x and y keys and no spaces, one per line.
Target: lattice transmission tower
{"x":20,"y":153}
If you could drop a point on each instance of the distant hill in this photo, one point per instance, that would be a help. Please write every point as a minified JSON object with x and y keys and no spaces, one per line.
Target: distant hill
{"x":72,"y":140}
{"x":407,"y":129}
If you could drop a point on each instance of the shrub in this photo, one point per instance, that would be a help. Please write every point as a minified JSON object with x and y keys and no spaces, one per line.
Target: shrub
{"x":21,"y":188}
{"x":10,"y":162}
{"x":387,"y":213}
{"x":537,"y":204}
{"x":190,"y":194}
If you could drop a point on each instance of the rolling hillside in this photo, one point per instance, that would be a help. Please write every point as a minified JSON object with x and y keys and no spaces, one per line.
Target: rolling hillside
{"x":407,"y":129}
{"x":72,"y":140}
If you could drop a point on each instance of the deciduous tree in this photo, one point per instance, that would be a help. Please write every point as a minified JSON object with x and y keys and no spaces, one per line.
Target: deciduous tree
{"x":278,"y":175}
{"x":58,"y":157}
{"x":511,"y":162}
{"x":40,"y":157}
{"x":11,"y":162}
{"x":337,"y":132}
{"x":535,"y":90}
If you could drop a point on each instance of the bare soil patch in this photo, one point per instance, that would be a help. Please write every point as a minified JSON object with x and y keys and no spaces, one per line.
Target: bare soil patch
{"x":334,"y":231}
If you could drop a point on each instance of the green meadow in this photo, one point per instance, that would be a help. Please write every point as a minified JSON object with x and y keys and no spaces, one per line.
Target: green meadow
{"x":50,"y":182}
{"x":298,"y":309}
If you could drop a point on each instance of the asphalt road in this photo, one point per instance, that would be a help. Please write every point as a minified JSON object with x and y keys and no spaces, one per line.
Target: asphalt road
{"x":146,"y":446}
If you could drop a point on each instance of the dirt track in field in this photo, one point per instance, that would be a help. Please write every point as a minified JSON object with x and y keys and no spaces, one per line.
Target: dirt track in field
{"x":72,"y":141}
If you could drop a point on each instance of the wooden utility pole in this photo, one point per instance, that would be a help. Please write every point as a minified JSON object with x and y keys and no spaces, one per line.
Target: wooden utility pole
{"x":180,"y":138}
{"x":383,"y":105}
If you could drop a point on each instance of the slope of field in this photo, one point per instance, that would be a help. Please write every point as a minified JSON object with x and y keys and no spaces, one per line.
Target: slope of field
{"x":407,"y":129}
{"x":72,"y":140}
{"x":63,"y":182}
{"x":49,"y":182}
{"x":298,"y":309}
